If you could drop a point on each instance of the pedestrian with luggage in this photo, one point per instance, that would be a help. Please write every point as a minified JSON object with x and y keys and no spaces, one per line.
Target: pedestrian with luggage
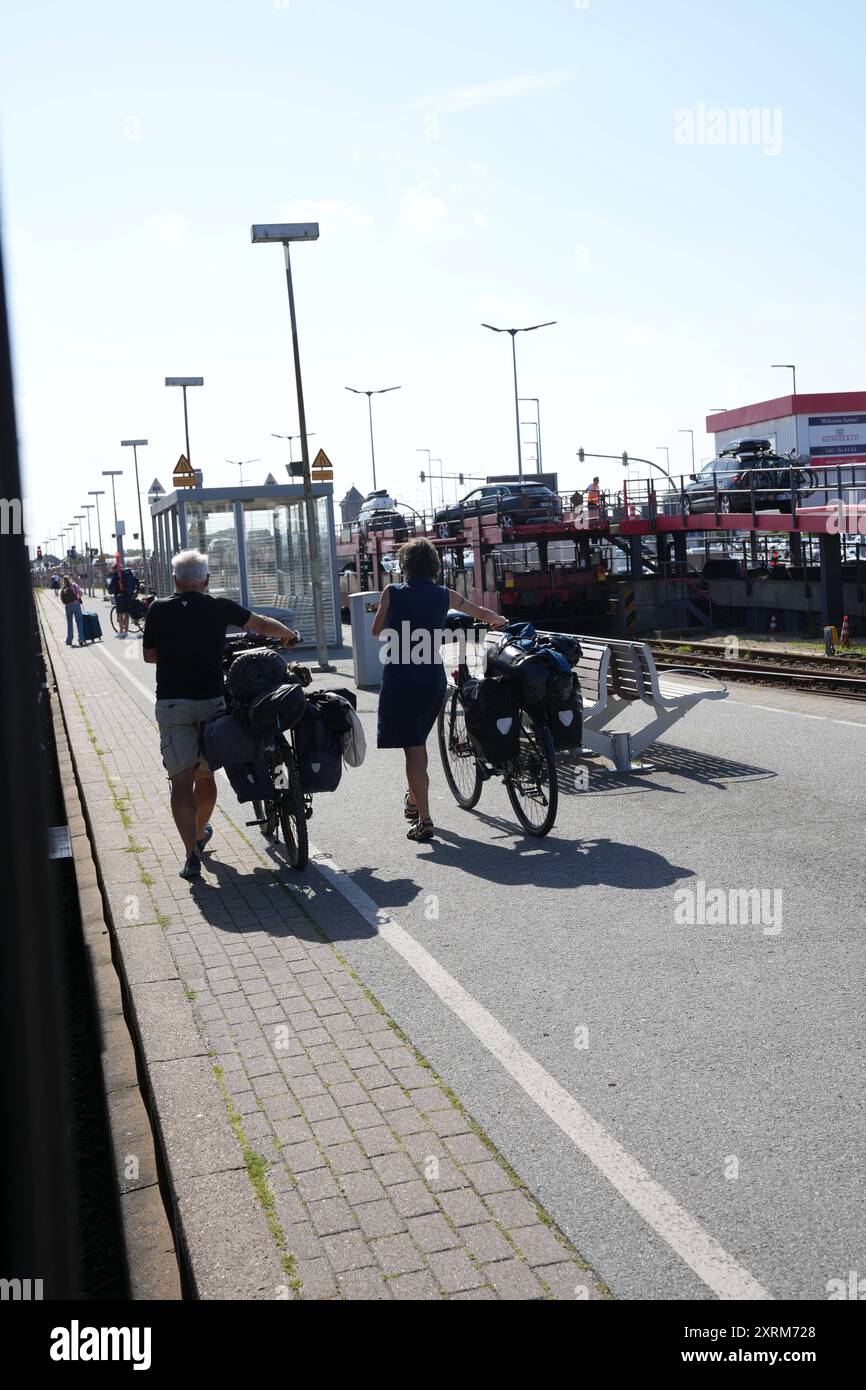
{"x":413,"y":690}
{"x":184,"y":637}
{"x":70,"y":597}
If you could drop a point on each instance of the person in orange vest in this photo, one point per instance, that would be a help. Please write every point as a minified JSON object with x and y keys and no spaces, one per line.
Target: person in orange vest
{"x":593,"y":493}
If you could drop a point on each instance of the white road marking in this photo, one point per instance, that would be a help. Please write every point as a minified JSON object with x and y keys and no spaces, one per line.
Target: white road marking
{"x":150,"y":694}
{"x":686,"y":1237}
{"x":713,"y":1265}
{"x":801,"y":714}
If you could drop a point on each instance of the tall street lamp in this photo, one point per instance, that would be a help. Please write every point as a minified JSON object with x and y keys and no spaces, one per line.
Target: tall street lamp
{"x":370,"y":394}
{"x":97,"y":493}
{"x":691,"y":435}
{"x":514,"y":331}
{"x":537,"y":422}
{"x":285,"y":233}
{"x":135,"y":445}
{"x":184,"y":382}
{"x":241,"y":464}
{"x":290,"y":437}
{"x":787,"y":367}
{"x":113,"y":473}
{"x":88,"y":508}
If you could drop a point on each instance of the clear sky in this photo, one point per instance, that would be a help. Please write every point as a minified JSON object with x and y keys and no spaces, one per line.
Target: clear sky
{"x":467,"y":160}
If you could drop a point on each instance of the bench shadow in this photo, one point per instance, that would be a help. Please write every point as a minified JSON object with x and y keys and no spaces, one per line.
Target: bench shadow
{"x":706,"y":769}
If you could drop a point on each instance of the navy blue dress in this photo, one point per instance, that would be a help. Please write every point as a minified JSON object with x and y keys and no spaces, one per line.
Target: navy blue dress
{"x":412,"y":692}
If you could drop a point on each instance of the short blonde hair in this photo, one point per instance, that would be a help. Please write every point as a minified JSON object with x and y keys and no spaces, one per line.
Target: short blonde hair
{"x":418,"y":556}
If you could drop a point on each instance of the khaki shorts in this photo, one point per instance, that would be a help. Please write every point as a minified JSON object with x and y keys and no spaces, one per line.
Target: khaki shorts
{"x":178,"y":722}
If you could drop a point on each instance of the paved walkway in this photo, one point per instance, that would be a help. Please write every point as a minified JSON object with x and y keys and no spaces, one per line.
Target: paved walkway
{"x":311,"y":1152}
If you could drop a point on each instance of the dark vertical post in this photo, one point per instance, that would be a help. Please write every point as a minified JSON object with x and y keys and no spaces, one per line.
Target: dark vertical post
{"x":830,"y":547}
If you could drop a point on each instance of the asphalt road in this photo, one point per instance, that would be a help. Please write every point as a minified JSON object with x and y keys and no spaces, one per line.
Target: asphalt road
{"x":725,"y":1058}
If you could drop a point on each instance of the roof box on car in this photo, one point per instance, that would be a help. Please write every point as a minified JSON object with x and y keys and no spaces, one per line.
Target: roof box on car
{"x":755,"y":445}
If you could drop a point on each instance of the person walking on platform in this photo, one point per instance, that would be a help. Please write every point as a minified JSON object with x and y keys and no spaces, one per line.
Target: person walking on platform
{"x":413,"y":677}
{"x":184,"y":637}
{"x":124,"y":585}
{"x":70,"y":597}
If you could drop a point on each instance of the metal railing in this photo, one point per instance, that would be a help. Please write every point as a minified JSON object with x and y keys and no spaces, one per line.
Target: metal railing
{"x":787,"y":486}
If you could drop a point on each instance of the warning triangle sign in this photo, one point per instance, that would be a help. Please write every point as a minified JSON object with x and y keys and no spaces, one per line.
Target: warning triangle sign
{"x":321,"y":463}
{"x":182,"y":467}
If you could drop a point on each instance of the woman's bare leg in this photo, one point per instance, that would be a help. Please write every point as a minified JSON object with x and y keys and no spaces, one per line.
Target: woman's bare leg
{"x":416,"y":776}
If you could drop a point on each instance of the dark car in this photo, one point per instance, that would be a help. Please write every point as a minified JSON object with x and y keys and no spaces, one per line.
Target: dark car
{"x":513,"y":504}
{"x":739,"y":465}
{"x":375,"y":518}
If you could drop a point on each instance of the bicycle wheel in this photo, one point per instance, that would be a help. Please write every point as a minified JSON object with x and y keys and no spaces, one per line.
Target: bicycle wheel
{"x":459,"y":763}
{"x":292,"y":811}
{"x":113,"y":616}
{"x":531,"y":781}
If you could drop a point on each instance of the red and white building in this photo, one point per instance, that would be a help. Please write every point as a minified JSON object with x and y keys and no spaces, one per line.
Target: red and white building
{"x":829,"y":427}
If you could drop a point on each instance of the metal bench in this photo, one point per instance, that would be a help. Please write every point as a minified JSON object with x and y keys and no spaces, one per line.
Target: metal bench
{"x":613,"y":673}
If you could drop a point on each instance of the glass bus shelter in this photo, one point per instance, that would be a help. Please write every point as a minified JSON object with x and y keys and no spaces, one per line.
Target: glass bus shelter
{"x":255,"y":539}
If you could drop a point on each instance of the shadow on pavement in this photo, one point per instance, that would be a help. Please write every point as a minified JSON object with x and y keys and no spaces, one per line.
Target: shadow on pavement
{"x":704,"y":768}
{"x":555,"y":863}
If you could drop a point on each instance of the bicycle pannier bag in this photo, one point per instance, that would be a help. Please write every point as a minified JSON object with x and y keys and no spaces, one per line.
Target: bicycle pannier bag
{"x":320,"y":751}
{"x":565,"y":717}
{"x":251,"y":780}
{"x":492,"y":719}
{"x":227,"y":740}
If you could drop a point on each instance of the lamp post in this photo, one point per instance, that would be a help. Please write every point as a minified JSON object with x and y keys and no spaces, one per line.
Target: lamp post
{"x":290,"y":437}
{"x":787,"y":367}
{"x":241,"y":464}
{"x":135,"y":445}
{"x":80,"y":517}
{"x":691,"y":435}
{"x":285,"y":233}
{"x":514,"y":331}
{"x":184,"y":382}
{"x":97,"y":493}
{"x":113,"y":473}
{"x":88,"y":508}
{"x":383,"y":391}
{"x":537,"y":423}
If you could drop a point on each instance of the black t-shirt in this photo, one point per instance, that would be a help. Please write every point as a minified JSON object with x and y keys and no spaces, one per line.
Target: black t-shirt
{"x":188,"y":631}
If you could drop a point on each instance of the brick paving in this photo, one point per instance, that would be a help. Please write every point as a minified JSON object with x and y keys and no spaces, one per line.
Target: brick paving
{"x":312,"y":1154}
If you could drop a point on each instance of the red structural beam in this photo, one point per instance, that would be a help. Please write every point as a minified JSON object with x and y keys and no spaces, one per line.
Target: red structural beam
{"x":850,"y":520}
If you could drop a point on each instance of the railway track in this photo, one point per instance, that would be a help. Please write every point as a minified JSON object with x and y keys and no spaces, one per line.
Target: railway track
{"x":842,"y":677}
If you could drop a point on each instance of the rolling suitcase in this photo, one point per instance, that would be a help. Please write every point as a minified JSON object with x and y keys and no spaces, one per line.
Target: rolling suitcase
{"x":90,"y":627}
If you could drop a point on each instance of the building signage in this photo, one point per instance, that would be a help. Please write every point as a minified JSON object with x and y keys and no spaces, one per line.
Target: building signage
{"x":837,"y":436}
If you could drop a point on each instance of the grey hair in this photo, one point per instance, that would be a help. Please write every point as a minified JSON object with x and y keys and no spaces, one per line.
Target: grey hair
{"x":189,"y":567}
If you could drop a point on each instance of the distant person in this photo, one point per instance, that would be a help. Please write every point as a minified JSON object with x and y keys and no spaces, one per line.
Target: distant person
{"x":70,"y":597}
{"x":412,"y":691}
{"x":593,"y":495}
{"x":124,"y":584}
{"x":576,"y":501}
{"x":55,"y":583}
{"x":184,"y":637}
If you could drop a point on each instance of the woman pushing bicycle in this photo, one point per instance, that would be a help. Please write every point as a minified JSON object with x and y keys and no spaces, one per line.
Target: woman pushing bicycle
{"x":413,"y":678}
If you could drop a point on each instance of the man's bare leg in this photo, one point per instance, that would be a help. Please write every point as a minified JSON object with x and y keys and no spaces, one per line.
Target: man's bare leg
{"x":184,"y":808}
{"x":205,"y":799}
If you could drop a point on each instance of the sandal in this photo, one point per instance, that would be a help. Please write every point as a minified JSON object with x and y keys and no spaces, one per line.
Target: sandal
{"x":422,"y":831}
{"x":410,"y":811}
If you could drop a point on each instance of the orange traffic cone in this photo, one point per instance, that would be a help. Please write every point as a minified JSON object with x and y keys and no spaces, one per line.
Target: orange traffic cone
{"x":774,"y":626}
{"x":844,"y":635}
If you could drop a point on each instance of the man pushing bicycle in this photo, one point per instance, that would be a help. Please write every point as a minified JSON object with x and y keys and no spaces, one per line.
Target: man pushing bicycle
{"x":184,"y":637}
